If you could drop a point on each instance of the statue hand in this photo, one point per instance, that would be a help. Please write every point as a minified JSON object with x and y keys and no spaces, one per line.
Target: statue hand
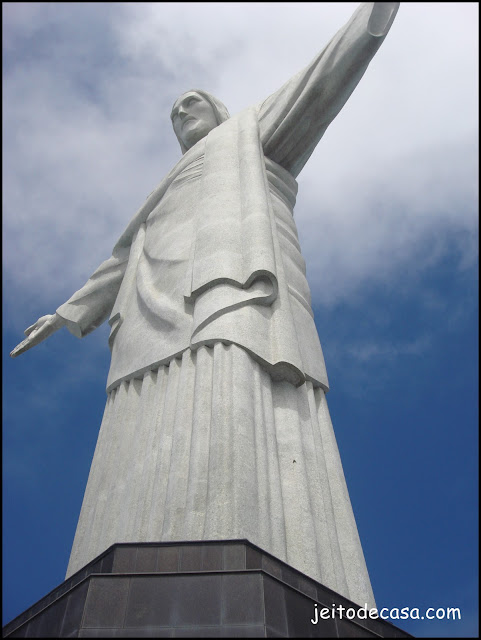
{"x":43,"y":328}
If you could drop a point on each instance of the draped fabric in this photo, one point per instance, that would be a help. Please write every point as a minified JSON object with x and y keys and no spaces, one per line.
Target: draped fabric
{"x":209,"y":447}
{"x":200,"y":264}
{"x":216,"y":424}
{"x":234,"y":245}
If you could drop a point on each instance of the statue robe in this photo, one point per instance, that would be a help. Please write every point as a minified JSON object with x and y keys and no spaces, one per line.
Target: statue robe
{"x":216,"y":424}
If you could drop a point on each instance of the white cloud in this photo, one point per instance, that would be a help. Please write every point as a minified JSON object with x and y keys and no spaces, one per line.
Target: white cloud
{"x":380,"y":352}
{"x":87,"y":134}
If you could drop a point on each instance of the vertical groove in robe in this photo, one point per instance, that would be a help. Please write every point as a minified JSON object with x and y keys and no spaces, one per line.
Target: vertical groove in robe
{"x":164,"y":443}
{"x":197,"y":488}
{"x":276,"y":498}
{"x":244,"y":396}
{"x":175,"y":496}
{"x":159,"y":427}
{"x":139,"y":466}
{"x":261,"y":461}
{"x":318,"y":514}
{"x":121,"y":494}
{"x":220,"y":501}
{"x":147,"y":457}
{"x":127,"y":493}
{"x":295,"y":488}
{"x":204,"y":448}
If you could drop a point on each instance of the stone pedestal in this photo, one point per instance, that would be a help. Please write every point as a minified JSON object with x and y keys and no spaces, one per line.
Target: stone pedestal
{"x":190,"y":589}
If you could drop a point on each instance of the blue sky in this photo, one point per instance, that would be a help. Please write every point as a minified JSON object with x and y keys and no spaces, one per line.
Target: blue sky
{"x":388,"y":222}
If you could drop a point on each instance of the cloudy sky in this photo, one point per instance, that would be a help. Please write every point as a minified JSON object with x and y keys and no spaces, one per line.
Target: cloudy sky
{"x":388,"y":222}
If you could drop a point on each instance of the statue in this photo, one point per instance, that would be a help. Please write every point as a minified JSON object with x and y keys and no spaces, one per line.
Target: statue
{"x":216,"y":424}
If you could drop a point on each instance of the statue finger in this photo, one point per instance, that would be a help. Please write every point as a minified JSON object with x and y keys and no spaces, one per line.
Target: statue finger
{"x":35,"y":337}
{"x":25,"y":345}
{"x":31,"y":328}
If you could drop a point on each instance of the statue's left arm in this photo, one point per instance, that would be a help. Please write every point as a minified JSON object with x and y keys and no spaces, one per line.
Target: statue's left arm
{"x":294,"y":119}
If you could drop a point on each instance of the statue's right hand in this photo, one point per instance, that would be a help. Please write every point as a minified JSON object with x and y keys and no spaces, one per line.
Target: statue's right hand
{"x":42,"y":329}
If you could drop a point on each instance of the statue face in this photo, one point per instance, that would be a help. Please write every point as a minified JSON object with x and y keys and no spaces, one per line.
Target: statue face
{"x":192,"y":117}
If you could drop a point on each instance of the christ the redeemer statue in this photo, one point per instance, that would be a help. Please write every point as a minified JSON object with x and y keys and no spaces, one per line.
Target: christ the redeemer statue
{"x":216,"y":425}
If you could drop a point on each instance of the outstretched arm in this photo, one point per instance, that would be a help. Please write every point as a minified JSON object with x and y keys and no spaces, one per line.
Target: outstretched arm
{"x":91,"y":305}
{"x":86,"y":310}
{"x":293,"y":119}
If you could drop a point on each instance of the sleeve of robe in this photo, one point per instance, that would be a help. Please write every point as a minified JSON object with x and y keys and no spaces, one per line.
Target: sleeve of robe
{"x":91,"y":305}
{"x":293,"y":119}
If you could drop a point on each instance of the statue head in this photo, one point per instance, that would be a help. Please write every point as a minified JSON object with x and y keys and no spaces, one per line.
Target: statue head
{"x":194,"y":115}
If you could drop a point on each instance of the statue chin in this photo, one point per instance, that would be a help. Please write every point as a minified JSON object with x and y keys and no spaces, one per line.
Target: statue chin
{"x":192,"y":136}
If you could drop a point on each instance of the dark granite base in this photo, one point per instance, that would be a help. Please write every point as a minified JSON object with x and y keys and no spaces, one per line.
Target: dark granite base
{"x":220,"y":589}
